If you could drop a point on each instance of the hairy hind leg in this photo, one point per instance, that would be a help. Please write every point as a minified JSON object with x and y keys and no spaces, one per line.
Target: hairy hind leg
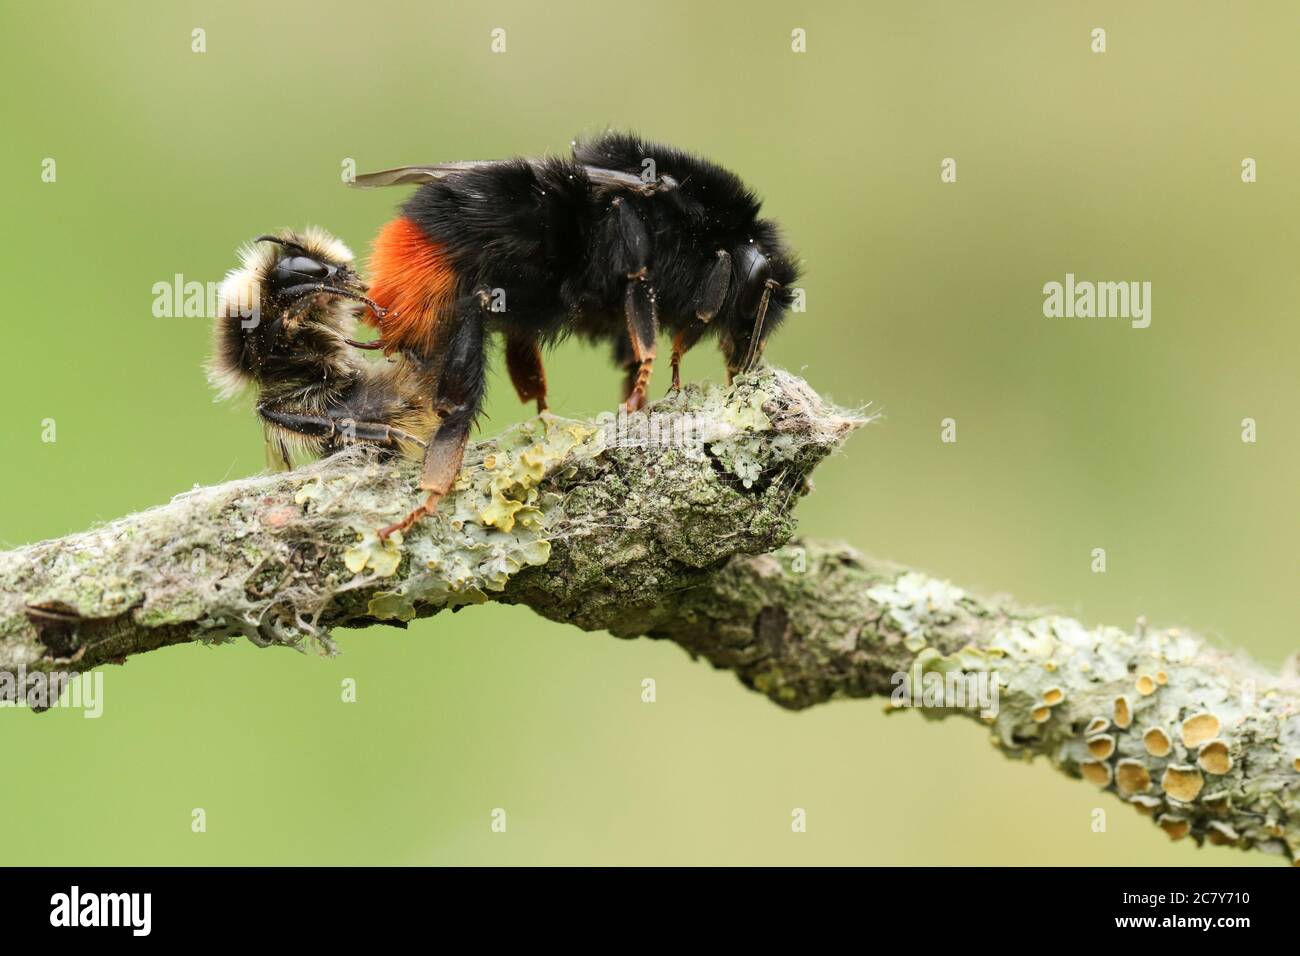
{"x":631,"y":239}
{"x":458,"y":394}
{"x":642,"y":330}
{"x":337,"y":423}
{"x":524,"y":363}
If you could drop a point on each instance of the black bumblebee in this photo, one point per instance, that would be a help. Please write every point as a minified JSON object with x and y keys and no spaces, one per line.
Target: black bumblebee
{"x":623,"y":239}
{"x":285,"y":321}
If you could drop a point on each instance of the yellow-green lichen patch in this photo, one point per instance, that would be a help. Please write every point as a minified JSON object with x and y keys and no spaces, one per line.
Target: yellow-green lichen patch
{"x":501,"y":510}
{"x":390,"y":606}
{"x":1214,"y":757}
{"x":381,"y":557}
{"x":496,"y":521}
{"x":1096,"y":772}
{"x":508,"y":477}
{"x":536,"y":551}
{"x":1175,"y":827}
{"x":1199,"y":728}
{"x":1131,"y":777}
{"x":1101,"y":747}
{"x":1145,"y":803}
{"x":1182,"y":783}
{"x":1157,"y":742}
{"x":1097,"y":725}
{"x":1123,"y":713}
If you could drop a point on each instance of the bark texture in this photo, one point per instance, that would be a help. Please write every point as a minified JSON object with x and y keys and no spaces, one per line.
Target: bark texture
{"x":609,"y":513}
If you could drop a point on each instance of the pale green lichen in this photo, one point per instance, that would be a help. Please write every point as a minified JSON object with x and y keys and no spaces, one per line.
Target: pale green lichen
{"x":916,"y":601}
{"x":733,"y":439}
{"x":742,"y":437}
{"x":308,"y":491}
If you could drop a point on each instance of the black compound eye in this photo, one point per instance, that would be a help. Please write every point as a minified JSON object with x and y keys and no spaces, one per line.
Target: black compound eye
{"x":292,"y":270}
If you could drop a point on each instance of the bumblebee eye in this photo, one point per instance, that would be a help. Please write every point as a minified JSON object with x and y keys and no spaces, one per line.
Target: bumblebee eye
{"x":292,"y":270}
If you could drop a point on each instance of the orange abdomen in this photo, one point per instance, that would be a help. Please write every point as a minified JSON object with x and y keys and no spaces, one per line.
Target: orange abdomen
{"x":411,"y":278}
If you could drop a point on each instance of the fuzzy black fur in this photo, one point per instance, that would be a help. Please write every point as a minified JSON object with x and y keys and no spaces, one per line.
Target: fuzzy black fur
{"x":557,"y":244}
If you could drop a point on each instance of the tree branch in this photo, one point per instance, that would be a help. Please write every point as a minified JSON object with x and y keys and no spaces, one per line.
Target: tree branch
{"x":580,"y":520}
{"x":684,"y":538}
{"x":1203,"y":741}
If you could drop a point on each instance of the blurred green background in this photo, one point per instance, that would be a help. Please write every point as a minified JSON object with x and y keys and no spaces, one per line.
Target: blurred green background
{"x":925,"y":298}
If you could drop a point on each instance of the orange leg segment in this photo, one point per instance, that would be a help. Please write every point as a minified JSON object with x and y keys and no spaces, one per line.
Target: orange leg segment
{"x":524,"y":363}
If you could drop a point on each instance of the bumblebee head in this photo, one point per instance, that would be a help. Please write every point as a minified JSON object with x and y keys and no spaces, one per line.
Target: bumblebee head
{"x":311,"y":264}
{"x":288,"y":307}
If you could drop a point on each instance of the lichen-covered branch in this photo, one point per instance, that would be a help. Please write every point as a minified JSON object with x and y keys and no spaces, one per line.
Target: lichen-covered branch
{"x":676,"y":524}
{"x":605,"y":511}
{"x":1202,"y":740}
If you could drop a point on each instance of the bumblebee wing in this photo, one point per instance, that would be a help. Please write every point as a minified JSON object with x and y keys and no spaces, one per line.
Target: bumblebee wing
{"x":617,"y":178}
{"x":406,"y":175}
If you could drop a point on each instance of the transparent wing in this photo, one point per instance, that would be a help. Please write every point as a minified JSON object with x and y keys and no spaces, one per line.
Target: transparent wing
{"x":406,"y":175}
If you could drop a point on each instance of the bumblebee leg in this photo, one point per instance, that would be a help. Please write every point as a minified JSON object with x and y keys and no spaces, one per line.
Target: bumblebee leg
{"x":642,"y":330}
{"x":631,"y":241}
{"x":630,"y":369}
{"x":744,"y":340}
{"x":623,"y":359}
{"x":459,"y":394}
{"x":686,"y":338}
{"x":337,"y":424}
{"x":524,"y":363}
{"x":757,"y":340}
{"x":708,"y":302}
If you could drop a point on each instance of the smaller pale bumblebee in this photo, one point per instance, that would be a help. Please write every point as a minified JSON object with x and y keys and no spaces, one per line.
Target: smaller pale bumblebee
{"x":285,"y":323}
